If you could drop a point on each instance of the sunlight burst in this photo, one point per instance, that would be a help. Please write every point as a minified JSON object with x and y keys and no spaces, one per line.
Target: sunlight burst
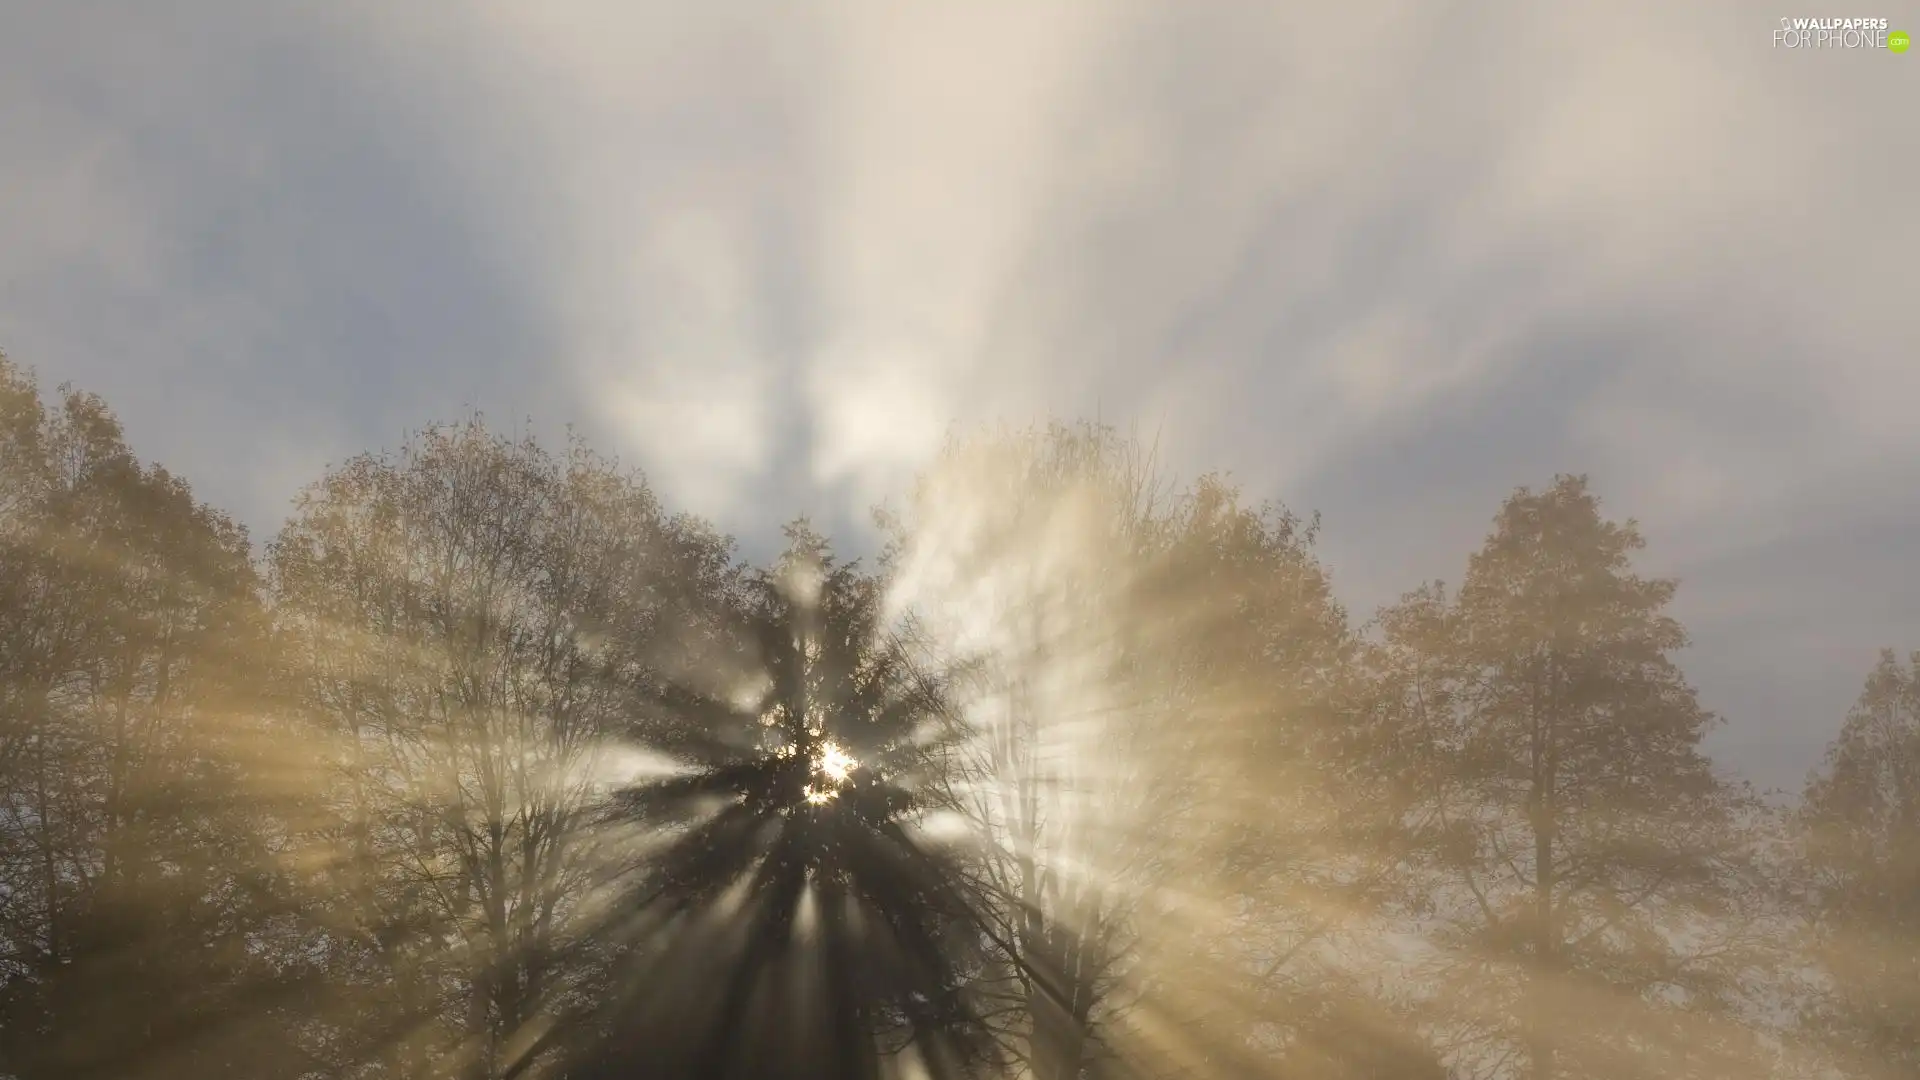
{"x":835,"y":763}
{"x":832,"y":767}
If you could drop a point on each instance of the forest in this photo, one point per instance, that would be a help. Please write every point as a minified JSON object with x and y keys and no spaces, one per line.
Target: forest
{"x":489,"y":765}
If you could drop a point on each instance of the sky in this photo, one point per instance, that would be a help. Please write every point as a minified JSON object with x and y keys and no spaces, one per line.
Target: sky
{"x":1382,"y":261}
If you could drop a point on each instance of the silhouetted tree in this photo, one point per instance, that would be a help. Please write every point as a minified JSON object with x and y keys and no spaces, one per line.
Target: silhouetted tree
{"x":787,"y":918}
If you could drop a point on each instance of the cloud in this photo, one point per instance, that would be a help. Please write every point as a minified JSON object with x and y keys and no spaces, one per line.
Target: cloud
{"x":1387,"y":260}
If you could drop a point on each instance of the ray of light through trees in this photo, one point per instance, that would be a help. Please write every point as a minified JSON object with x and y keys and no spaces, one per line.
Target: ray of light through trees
{"x":490,"y":764}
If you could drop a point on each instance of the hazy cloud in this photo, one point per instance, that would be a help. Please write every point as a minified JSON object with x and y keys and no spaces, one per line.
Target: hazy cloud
{"x":1383,"y":260}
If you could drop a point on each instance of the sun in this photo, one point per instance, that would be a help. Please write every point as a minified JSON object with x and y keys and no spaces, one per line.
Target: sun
{"x":832,"y":767}
{"x":834,"y":763}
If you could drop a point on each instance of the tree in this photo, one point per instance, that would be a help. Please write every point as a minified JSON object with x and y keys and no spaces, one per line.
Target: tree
{"x":1286,"y":846}
{"x":1590,"y":849}
{"x":1016,"y":554}
{"x":1143,"y":662}
{"x":1861,"y":836}
{"x":135,"y":871}
{"x":467,"y":629}
{"x":786,"y":917}
{"x":500,"y":769}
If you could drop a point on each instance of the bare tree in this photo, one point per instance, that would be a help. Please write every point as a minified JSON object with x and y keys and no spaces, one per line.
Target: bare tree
{"x":466,"y":627}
